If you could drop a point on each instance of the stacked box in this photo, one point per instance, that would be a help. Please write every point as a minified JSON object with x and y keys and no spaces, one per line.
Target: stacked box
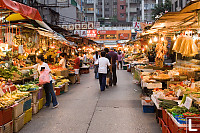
{"x":28,"y":116}
{"x":57,"y":91}
{"x":72,"y":79}
{"x":5,"y":116}
{"x":7,"y":128}
{"x":18,"y":109}
{"x":66,"y":87}
{"x":19,"y":123}
{"x":35,"y":107}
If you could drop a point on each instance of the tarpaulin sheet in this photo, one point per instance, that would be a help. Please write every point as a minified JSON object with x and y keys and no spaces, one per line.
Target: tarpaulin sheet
{"x":24,"y":10}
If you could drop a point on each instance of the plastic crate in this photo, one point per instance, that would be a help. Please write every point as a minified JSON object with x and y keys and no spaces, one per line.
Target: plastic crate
{"x":5,"y":116}
{"x":27,"y":103}
{"x":170,"y":123}
{"x":40,"y":104}
{"x":7,"y":128}
{"x":18,"y":123}
{"x":148,"y":109}
{"x":40,"y":93}
{"x":43,"y":94}
{"x":28,"y":116}
{"x":62,"y":92}
{"x":165,"y":116}
{"x":18,"y":109}
{"x":35,"y":107}
{"x":57,"y":91}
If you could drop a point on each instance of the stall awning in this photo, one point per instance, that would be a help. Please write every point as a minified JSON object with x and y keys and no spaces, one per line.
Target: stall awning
{"x":24,"y":10}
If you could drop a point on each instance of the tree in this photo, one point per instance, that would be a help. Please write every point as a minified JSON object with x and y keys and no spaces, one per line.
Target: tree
{"x":162,"y":8}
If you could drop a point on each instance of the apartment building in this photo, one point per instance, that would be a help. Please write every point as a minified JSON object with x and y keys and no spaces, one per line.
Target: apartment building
{"x":57,"y":12}
{"x":177,"y":5}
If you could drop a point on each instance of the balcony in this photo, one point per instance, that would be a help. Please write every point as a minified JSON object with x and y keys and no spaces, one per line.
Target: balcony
{"x":134,"y":1}
{"x":89,"y":11}
{"x":131,"y":10}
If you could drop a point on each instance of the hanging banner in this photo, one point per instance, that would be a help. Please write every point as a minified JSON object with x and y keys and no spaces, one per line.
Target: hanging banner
{"x":77,"y":32}
{"x":97,"y":25}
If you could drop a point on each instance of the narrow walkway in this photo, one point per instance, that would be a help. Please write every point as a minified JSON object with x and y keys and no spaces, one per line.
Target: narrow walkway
{"x":84,"y":109}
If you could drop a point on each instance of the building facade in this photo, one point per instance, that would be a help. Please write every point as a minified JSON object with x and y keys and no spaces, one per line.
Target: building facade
{"x":177,"y":5}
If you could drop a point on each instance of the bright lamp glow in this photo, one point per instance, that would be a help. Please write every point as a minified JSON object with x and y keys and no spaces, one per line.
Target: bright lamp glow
{"x":155,"y":39}
{"x":162,"y":39}
{"x":174,"y":37}
{"x":150,"y":41}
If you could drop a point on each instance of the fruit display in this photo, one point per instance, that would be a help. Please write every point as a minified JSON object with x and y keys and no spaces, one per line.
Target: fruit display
{"x":63,"y":81}
{"x":162,"y":77}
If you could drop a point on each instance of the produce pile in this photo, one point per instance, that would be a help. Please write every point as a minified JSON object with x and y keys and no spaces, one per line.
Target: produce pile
{"x":167,"y":104}
{"x":63,"y":81}
{"x":8,"y":99}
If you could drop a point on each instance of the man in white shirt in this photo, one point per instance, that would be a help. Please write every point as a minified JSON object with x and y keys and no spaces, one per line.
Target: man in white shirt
{"x":103,"y":64}
{"x":62,"y":62}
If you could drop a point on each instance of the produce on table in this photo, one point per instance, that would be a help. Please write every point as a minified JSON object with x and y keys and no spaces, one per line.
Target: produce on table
{"x":167,"y":104}
{"x":27,"y":87}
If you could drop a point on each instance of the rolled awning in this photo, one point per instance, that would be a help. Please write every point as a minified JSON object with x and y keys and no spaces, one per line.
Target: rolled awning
{"x":24,"y":10}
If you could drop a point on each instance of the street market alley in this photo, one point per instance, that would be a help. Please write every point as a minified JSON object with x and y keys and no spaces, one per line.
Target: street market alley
{"x":84,"y":109}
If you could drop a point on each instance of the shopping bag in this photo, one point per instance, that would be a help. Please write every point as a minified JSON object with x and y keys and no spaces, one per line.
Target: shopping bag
{"x":44,"y":77}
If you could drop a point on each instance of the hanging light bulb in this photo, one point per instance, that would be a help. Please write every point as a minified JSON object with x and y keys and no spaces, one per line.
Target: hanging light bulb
{"x":174,"y":37}
{"x":150,"y":41}
{"x":155,"y":39}
{"x":162,"y":39}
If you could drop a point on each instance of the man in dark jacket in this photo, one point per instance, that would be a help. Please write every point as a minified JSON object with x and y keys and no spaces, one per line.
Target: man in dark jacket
{"x":114,"y":58}
{"x":109,"y":74}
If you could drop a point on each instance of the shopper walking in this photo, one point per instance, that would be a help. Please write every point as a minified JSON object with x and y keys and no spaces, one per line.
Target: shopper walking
{"x":109,"y":74}
{"x":77,"y":67}
{"x":96,"y":66}
{"x":62,"y":62}
{"x":120,"y":59}
{"x":103,"y":66}
{"x":114,"y":66}
{"x":48,"y":87}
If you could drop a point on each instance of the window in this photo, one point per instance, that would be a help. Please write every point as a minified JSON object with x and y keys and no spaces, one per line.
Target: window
{"x":153,"y":6}
{"x":122,"y":7}
{"x":99,"y":3}
{"x":181,"y":4}
{"x":176,"y":5}
{"x":146,"y":6}
{"x":121,"y":15}
{"x":121,"y":0}
{"x":107,"y":3}
{"x":90,"y":9}
{"x":106,"y":9}
{"x":114,"y":3}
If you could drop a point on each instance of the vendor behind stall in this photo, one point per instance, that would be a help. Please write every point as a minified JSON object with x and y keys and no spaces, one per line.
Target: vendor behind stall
{"x":62,"y":62}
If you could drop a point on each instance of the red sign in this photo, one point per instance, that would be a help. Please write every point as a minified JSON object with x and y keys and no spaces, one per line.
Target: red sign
{"x":107,"y":32}
{"x":124,"y":36}
{"x":91,"y":33}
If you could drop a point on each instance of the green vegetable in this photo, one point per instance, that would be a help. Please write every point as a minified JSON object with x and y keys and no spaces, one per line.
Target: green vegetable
{"x":183,"y":99}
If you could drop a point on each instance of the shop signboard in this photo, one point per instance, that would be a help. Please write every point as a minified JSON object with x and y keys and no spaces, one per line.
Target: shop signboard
{"x":84,"y":26}
{"x":107,"y":32}
{"x":124,"y":36}
{"x":77,"y":26}
{"x":71,"y":27}
{"x":97,"y":24}
{"x":91,"y":33}
{"x":90,"y":25}
{"x":77,"y":32}
{"x":83,"y":33}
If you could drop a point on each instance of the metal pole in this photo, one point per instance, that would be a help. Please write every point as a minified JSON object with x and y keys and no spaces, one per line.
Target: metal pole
{"x":142,"y":10}
{"x":95,"y":11}
{"x":103,"y":11}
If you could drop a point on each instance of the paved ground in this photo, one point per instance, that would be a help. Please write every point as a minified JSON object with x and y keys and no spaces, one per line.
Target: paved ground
{"x":84,"y":109}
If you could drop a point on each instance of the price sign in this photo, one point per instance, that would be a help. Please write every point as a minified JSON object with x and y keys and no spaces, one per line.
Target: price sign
{"x":188,"y":102}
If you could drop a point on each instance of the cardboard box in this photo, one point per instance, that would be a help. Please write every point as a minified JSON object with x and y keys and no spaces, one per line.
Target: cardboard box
{"x":19,"y":123}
